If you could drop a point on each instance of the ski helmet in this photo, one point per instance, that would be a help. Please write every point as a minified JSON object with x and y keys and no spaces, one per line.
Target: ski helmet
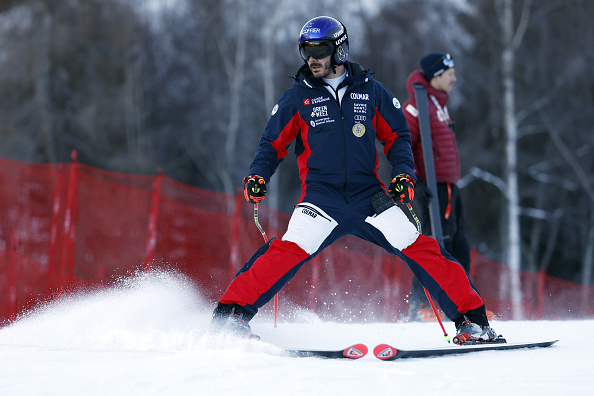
{"x":323,"y":36}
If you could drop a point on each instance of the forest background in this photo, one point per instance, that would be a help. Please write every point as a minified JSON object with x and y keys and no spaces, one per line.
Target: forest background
{"x":187,"y":86}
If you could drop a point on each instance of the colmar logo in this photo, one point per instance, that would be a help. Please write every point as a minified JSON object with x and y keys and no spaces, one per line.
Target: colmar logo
{"x":359,"y":96}
{"x":309,"y":212}
{"x":306,"y":102}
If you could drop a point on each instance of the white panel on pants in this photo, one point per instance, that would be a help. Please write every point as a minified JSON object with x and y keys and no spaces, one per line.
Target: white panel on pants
{"x":309,"y":227}
{"x":395,"y":226}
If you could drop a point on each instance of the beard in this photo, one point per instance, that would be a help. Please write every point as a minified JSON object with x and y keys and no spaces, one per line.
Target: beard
{"x":320,"y":69}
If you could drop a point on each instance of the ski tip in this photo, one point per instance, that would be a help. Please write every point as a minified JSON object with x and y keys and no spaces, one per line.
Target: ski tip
{"x":356,"y":351}
{"x":385,"y":352}
{"x":548,"y":343}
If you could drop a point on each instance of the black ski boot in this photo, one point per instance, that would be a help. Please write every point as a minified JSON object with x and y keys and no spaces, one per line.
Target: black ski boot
{"x":473,"y":328}
{"x":233,"y":319}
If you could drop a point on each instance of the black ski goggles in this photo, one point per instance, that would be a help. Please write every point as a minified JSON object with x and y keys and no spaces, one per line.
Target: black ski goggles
{"x":317,"y":49}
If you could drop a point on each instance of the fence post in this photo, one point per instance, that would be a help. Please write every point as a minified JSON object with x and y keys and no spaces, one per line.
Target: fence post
{"x":234,"y":254}
{"x":472,"y":269}
{"x":388,"y":264}
{"x":12,"y":288}
{"x":541,"y":284}
{"x":315,"y":279}
{"x":54,"y":230}
{"x":67,"y":262}
{"x":151,"y":242}
{"x":397,"y":287}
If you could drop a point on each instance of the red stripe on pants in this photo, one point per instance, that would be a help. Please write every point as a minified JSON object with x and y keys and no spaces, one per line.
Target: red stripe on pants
{"x":449,"y":275}
{"x":279,"y":259}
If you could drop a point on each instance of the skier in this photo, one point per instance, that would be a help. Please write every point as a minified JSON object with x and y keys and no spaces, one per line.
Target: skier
{"x":334,"y":112}
{"x":437,"y":75}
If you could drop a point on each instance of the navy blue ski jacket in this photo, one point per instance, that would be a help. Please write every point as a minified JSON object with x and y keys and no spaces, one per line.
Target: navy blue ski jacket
{"x":335,"y":143}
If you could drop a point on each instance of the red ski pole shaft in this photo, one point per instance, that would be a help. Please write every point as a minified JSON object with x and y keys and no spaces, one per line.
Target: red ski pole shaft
{"x":446,"y":336}
{"x":266,"y":240}
{"x":445,"y":333}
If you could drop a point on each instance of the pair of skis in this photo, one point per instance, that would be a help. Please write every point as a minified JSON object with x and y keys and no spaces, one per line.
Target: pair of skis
{"x":388,"y":353}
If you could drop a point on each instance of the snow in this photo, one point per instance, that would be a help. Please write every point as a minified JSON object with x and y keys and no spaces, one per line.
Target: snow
{"x":148,"y":335}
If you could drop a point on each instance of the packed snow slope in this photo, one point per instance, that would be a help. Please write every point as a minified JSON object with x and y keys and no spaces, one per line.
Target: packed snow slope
{"x":148,"y":335}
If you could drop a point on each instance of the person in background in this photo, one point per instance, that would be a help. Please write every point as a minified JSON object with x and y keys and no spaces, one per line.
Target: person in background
{"x":334,"y":112}
{"x":438,"y":76}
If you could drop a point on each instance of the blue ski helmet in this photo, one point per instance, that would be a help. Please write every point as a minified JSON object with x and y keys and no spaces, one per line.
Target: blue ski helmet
{"x":323,"y":36}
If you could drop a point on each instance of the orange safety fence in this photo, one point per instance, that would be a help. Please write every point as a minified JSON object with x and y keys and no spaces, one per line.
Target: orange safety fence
{"x":68,"y":226}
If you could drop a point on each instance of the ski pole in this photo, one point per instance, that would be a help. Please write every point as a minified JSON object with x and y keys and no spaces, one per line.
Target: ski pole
{"x":445,"y":333}
{"x":266,"y":240}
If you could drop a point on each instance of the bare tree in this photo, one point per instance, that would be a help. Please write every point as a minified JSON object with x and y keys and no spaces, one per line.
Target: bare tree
{"x":512,"y":38}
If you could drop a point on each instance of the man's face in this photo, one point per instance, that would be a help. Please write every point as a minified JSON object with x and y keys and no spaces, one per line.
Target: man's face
{"x":445,"y":81}
{"x":320,"y":68}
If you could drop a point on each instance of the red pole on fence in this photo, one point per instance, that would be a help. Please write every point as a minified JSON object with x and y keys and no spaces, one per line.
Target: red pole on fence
{"x":472,"y":269}
{"x":315,"y":277}
{"x":388,"y":280}
{"x":234,"y":259}
{"x":396,"y":290}
{"x":54,"y":229}
{"x":151,"y":242}
{"x":541,"y":283}
{"x":67,"y":262}
{"x":12,"y":288}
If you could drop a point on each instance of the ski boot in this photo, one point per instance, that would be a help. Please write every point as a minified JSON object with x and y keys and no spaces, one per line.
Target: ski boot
{"x":232,"y":319}
{"x":469,"y":333}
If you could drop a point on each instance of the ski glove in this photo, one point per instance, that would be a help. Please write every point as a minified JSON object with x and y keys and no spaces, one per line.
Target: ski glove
{"x":402,"y":188}
{"x":254,"y":188}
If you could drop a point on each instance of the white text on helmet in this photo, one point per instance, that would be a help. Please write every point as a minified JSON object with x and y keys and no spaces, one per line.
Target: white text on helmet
{"x":338,"y":33}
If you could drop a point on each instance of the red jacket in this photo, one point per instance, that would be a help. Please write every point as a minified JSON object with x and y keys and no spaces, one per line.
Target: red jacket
{"x":445,"y":150}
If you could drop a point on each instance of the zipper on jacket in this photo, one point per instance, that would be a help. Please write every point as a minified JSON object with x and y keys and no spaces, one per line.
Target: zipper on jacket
{"x":344,"y":161}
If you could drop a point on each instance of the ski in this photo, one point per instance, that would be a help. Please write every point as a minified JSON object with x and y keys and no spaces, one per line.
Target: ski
{"x":356,"y":351}
{"x":387,"y":352}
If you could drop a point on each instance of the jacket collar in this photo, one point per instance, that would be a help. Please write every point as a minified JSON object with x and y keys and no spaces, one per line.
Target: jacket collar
{"x":355,"y":74}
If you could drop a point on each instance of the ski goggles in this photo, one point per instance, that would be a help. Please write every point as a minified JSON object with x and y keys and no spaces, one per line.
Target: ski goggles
{"x":317,"y":49}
